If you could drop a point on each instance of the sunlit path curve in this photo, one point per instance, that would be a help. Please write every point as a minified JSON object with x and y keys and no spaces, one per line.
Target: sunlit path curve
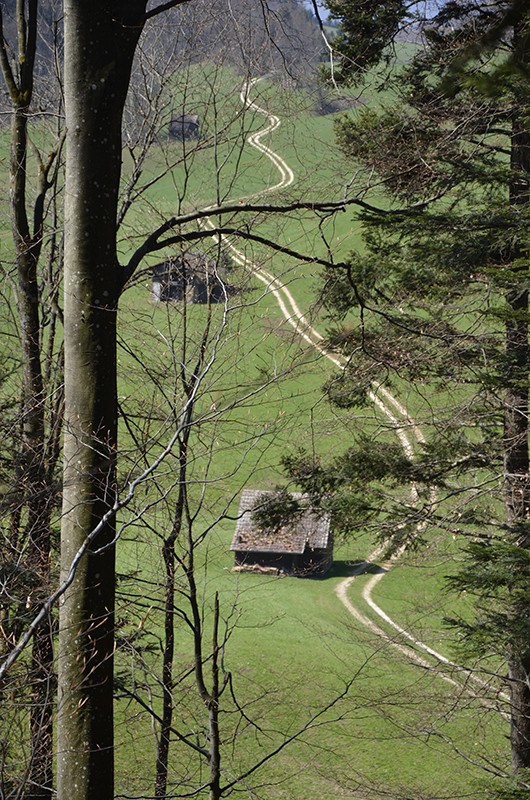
{"x":254,"y":139}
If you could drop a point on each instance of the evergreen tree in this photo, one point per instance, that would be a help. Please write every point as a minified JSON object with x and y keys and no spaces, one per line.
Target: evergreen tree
{"x":440,"y":294}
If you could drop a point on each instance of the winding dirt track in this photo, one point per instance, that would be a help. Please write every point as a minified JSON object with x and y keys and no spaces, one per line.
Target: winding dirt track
{"x":407,"y":431}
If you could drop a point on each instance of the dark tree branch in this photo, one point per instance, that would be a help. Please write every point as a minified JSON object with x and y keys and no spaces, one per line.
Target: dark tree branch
{"x":153,"y":243}
{"x":164,"y":7}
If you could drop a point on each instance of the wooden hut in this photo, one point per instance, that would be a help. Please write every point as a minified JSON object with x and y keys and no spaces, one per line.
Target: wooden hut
{"x":191,"y":277}
{"x":184,"y":126}
{"x":303,"y":547}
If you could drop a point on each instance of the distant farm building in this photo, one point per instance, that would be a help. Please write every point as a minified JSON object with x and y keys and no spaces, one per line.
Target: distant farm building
{"x":303,"y":546}
{"x":190,"y":277}
{"x":184,"y":126}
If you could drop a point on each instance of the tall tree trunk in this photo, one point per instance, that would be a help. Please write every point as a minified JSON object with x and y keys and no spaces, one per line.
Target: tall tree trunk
{"x":213,"y":711}
{"x":189,"y":381}
{"x":516,"y":424}
{"x":168,"y":552}
{"x":33,"y":474}
{"x":100,"y":41}
{"x":33,"y":478}
{"x":517,"y":504}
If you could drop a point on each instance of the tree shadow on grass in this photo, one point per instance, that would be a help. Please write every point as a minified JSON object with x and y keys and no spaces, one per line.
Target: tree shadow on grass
{"x":345,"y":569}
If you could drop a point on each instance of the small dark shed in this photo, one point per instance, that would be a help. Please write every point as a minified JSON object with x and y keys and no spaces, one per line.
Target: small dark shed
{"x":184,"y":126}
{"x":191,"y":277}
{"x":304,"y":547}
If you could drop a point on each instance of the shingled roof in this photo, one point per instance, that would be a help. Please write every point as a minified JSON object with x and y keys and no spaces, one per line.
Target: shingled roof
{"x":310,"y":529}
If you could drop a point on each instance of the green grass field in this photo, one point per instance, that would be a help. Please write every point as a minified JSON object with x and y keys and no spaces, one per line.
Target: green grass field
{"x":293,"y":645}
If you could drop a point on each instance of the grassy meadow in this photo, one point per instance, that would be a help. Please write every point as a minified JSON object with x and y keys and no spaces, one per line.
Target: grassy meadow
{"x":292,"y":645}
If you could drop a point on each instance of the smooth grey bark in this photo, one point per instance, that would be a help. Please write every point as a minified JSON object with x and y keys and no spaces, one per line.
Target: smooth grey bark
{"x":100,"y":41}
